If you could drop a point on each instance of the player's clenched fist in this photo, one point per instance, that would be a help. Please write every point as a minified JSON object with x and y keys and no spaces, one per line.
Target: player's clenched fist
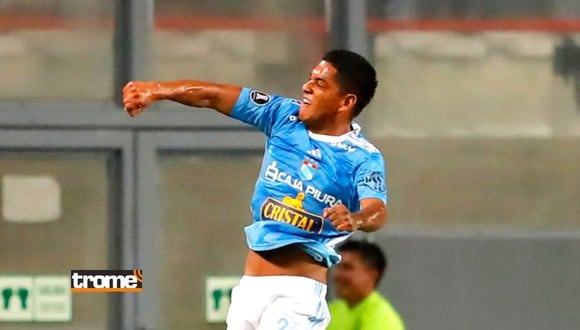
{"x":137,"y":95}
{"x":341,"y":218}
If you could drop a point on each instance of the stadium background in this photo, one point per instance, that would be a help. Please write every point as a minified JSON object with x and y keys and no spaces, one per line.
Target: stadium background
{"x":477,"y":113}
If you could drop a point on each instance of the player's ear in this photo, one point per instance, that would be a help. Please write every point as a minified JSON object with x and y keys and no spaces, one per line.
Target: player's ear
{"x":348,"y":103}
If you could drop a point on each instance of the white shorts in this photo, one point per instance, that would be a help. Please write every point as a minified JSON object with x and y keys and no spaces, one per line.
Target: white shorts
{"x":278,"y":303}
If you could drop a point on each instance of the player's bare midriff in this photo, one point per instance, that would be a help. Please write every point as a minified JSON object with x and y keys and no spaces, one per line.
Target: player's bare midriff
{"x":289,"y":260}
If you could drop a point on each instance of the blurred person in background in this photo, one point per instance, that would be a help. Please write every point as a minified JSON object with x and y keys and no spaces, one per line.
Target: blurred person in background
{"x":355,"y":279}
{"x":320,"y":181}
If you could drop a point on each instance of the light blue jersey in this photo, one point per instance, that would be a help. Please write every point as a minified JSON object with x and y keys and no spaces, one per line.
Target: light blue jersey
{"x":302,"y":174}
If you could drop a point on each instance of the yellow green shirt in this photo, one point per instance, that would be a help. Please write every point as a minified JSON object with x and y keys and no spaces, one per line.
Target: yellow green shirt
{"x":373,"y":313}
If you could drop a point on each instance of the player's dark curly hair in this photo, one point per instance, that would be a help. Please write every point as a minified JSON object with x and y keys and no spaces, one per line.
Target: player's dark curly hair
{"x":371,"y":254}
{"x":355,"y":75}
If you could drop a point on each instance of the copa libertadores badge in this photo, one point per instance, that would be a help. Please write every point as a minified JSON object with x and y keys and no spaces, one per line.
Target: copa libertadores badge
{"x":259,"y":98}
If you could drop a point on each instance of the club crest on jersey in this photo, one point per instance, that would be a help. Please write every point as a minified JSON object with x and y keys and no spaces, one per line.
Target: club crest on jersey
{"x":308,"y":169}
{"x":291,"y":211}
{"x":259,"y":98}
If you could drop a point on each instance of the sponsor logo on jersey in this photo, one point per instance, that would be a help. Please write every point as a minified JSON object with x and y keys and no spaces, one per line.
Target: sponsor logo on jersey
{"x":375,"y":181}
{"x":274,"y":174}
{"x":290,"y":211}
{"x":343,"y":146}
{"x":259,"y":98}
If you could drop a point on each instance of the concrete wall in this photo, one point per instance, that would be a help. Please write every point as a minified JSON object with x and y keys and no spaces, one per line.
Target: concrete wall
{"x":430,"y":83}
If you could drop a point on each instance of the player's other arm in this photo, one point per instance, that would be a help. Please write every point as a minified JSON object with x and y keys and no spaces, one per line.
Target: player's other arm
{"x":372,"y":216}
{"x":137,"y":95}
{"x":370,"y":180}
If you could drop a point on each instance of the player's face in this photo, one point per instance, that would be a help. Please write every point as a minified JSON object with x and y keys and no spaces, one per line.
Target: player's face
{"x":322,"y":98}
{"x":353,"y":280}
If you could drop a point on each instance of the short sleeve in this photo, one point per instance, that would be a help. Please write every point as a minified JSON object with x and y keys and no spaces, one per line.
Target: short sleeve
{"x":370,"y":178}
{"x":262,"y":110}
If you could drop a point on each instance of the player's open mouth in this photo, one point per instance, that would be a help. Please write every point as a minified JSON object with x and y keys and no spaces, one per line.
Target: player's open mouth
{"x":306,"y":101}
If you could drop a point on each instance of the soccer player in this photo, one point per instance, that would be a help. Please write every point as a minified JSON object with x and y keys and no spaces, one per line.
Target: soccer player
{"x":320,"y":180}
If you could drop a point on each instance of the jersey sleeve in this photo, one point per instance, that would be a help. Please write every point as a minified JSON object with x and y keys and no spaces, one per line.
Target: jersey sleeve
{"x":370,"y":178}
{"x":261,"y":110}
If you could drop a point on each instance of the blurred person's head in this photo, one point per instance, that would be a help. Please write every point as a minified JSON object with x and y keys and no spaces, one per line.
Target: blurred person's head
{"x":338,"y":89}
{"x":360,"y":270}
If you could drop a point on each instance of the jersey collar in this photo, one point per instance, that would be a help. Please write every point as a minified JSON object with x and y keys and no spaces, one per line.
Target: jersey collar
{"x":335,"y":138}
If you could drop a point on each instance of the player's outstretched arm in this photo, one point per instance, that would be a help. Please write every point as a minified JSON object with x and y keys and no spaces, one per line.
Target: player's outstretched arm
{"x":137,"y":95}
{"x":372,"y":216}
